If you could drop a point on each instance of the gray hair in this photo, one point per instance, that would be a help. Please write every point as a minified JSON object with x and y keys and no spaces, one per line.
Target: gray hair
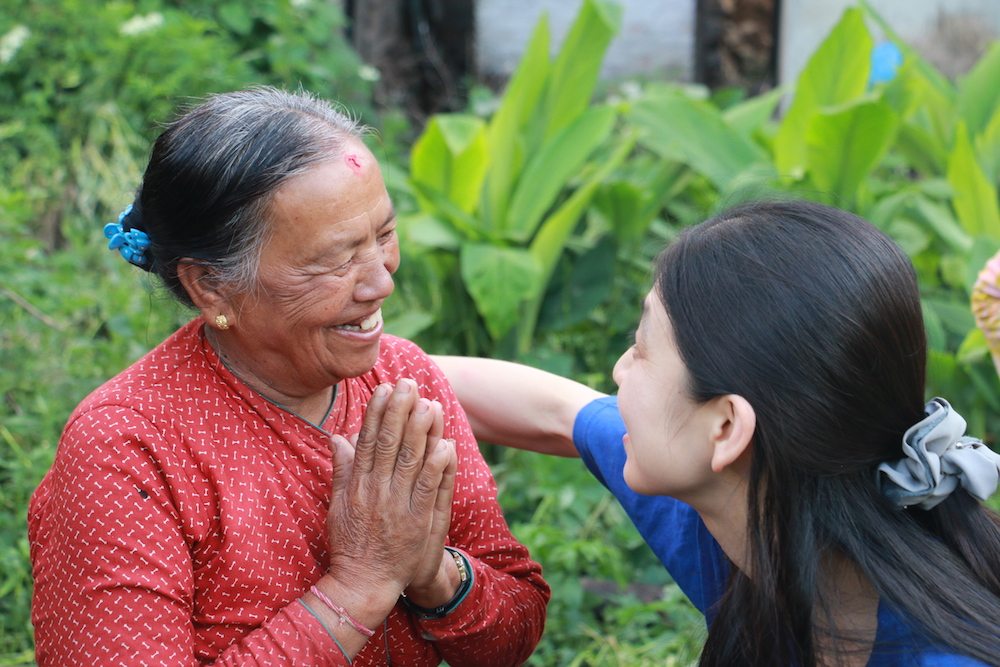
{"x":213,"y":173}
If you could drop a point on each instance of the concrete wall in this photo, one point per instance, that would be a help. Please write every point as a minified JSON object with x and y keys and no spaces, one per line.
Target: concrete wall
{"x":951,"y":33}
{"x":656,"y":38}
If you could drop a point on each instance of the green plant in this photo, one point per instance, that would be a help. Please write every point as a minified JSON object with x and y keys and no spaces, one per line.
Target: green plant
{"x":498,"y":200}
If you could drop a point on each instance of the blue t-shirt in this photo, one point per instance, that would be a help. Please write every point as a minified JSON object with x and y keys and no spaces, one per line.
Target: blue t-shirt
{"x":695,"y":560}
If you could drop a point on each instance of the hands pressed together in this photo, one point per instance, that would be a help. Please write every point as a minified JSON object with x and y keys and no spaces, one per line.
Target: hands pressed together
{"x":390,"y":510}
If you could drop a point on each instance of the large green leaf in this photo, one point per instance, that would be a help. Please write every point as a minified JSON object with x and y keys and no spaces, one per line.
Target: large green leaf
{"x":677,"y":127}
{"x":751,"y":115}
{"x":845,"y":144}
{"x":835,"y":74}
{"x":988,"y":148}
{"x":552,"y":167}
{"x":548,"y":244}
{"x":576,"y":68}
{"x":974,"y":198}
{"x":979,"y":91}
{"x":943,"y":224}
{"x":506,"y":145}
{"x":451,"y":157}
{"x":500,"y":280}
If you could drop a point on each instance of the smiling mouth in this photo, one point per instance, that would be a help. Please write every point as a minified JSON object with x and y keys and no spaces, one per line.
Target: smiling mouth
{"x":368,"y":324}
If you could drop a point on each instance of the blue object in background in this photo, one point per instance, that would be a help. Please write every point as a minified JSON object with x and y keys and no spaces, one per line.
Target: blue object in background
{"x":886,"y":59}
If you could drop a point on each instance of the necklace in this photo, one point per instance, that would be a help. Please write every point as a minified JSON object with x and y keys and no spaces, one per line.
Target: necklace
{"x":229,"y":363}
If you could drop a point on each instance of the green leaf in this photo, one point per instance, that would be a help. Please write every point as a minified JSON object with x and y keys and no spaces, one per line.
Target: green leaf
{"x":576,"y":68}
{"x":988,"y":148}
{"x":835,"y":74}
{"x":520,"y":101}
{"x":974,"y":348}
{"x":552,"y":167}
{"x":625,"y":207}
{"x":979,"y":91}
{"x":974,"y":198}
{"x":235,"y":17}
{"x":936,"y":338}
{"x":677,"y":127}
{"x":443,"y":208}
{"x":429,"y":231}
{"x":584,"y":284}
{"x":845,"y":144}
{"x":499,"y":280}
{"x":749,"y":116}
{"x":451,"y":157}
{"x":943,"y":223}
{"x":548,"y":244}
{"x":409,"y":324}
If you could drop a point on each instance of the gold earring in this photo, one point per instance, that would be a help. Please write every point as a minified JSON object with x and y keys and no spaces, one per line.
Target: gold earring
{"x":222,"y":322}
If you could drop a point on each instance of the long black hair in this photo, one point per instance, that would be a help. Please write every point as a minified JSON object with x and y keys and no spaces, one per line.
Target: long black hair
{"x":813,"y":316}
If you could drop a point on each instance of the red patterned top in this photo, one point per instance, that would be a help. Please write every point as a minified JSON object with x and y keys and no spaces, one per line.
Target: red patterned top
{"x":184,"y":515}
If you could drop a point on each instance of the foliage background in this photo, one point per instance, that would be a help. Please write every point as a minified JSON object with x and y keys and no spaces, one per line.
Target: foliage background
{"x":84,"y":85}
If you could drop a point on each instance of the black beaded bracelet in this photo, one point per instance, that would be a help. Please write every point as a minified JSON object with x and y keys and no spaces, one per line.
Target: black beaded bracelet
{"x":466,"y":579}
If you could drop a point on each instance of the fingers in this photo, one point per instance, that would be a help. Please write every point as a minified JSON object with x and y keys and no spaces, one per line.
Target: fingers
{"x":364,"y":454}
{"x":392,"y":428}
{"x":415,"y":441}
{"x":437,"y":475}
{"x":446,"y":491}
{"x":343,"y":463}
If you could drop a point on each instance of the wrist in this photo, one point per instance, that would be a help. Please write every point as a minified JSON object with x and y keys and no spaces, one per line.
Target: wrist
{"x":466,"y":579}
{"x":441,"y":589}
{"x":367,"y":602}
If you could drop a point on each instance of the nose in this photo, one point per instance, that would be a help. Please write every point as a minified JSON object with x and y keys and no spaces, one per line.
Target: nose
{"x":618,"y":372}
{"x":375,"y":282}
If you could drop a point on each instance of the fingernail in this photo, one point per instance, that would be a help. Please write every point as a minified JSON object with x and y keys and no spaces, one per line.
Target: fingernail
{"x":423,"y":405}
{"x":382,"y":390}
{"x":403,"y":387}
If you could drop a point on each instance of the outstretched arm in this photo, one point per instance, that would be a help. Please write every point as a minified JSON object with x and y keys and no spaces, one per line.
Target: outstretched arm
{"x":517,"y":406}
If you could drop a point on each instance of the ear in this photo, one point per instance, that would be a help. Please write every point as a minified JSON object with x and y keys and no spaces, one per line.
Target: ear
{"x":733,"y":430}
{"x":204,"y":291}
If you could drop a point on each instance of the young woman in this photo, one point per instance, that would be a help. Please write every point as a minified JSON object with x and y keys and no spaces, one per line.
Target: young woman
{"x":771,"y":441}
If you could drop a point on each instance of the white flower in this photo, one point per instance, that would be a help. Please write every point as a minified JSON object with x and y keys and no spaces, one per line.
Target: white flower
{"x":11,"y":42}
{"x":140,"y":24}
{"x":299,"y":4}
{"x":368,"y":73}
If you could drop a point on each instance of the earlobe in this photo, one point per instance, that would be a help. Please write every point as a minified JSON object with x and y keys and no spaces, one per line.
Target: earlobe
{"x":734,"y":433}
{"x":197,"y":281}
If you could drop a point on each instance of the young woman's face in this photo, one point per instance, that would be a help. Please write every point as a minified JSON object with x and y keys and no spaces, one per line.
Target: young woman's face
{"x":324,"y":273}
{"x":667,"y":442}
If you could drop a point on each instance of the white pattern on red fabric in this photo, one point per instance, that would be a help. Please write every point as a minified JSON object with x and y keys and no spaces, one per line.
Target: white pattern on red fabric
{"x":184,"y":515}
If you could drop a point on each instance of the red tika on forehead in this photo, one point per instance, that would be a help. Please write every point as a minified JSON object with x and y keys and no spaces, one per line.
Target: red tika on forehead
{"x":353,"y":162}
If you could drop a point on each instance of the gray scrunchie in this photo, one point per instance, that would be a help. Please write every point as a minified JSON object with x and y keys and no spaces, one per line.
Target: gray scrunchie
{"x":939,"y":457}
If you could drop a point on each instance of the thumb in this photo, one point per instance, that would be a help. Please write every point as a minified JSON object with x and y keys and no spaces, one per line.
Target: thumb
{"x":343,"y":464}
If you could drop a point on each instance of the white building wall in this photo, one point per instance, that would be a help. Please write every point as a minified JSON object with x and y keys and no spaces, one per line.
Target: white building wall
{"x":948,"y":32}
{"x":656,"y":39}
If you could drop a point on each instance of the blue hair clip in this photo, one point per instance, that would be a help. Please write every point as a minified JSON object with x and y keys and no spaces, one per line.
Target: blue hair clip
{"x":131,"y":244}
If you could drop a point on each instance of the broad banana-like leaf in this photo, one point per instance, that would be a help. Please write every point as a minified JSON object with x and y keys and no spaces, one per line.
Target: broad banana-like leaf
{"x":576,"y":68}
{"x":505,"y":135}
{"x":974,"y":198}
{"x":552,"y":167}
{"x":678,"y":127}
{"x":979,"y":91}
{"x":499,"y":279}
{"x":550,"y":240}
{"x":844,"y":145}
{"x":451,"y":157}
{"x":835,"y":74}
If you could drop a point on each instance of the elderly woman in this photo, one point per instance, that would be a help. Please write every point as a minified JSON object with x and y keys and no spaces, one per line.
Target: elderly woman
{"x":204,"y":506}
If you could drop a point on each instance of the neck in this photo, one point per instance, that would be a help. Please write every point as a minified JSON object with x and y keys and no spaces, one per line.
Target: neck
{"x":312,"y":407}
{"x":847,"y":620}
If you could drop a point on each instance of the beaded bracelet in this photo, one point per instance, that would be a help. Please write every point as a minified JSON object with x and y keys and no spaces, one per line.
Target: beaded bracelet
{"x":341,"y":612}
{"x":466,"y":578}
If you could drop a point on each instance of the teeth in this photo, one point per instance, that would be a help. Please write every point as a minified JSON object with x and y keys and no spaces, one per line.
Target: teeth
{"x":367,"y":324}
{"x":372,"y":320}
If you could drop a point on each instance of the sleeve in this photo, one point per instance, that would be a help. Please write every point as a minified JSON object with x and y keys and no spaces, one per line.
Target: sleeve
{"x":671,"y":528}
{"x":501,"y":620}
{"x":112,"y":565}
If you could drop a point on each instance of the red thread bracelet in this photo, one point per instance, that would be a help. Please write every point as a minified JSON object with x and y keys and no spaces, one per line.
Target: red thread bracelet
{"x":341,"y":612}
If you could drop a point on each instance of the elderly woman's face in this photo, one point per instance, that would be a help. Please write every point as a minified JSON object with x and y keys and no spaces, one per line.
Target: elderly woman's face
{"x":325,"y":271}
